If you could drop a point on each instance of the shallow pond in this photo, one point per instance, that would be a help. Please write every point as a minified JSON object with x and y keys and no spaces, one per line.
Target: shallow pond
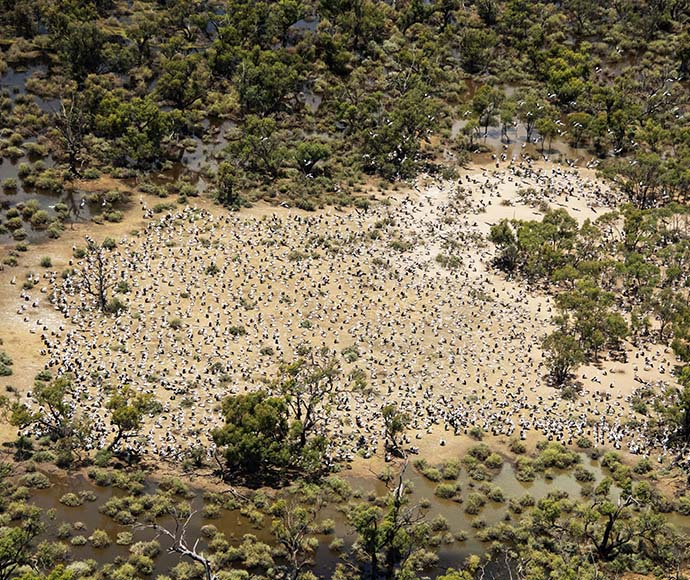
{"x":234,"y":525}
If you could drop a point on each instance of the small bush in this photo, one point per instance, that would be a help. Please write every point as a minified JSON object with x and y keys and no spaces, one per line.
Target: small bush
{"x":480,"y":452}
{"x":100,"y":539}
{"x":475,"y":503}
{"x":643,"y":466}
{"x":583,"y":475}
{"x":525,"y":469}
{"x":476,"y":432}
{"x":78,"y":541}
{"x":446,"y":490}
{"x":71,"y":500}
{"x":451,"y":469}
{"x":36,"y":480}
{"x":115,"y":306}
{"x":494,"y":461}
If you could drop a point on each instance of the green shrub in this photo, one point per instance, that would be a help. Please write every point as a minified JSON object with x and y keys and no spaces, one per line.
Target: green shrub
{"x":476,"y":432}
{"x":71,"y":500}
{"x":556,"y":455}
{"x":40,"y":219}
{"x":13,"y":223}
{"x":115,"y":216}
{"x":643,"y":466}
{"x":447,"y":490}
{"x":583,"y":475}
{"x":474,"y":503}
{"x":524,"y":469}
{"x":101,"y":477}
{"x":9,"y":185}
{"x":494,"y":493}
{"x":115,"y":305}
{"x":494,"y":461}
{"x":480,"y":452}
{"x":35,"y":480}
{"x":100,"y":539}
{"x":451,"y":469}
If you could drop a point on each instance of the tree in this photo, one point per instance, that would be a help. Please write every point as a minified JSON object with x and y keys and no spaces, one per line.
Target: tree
{"x":282,"y":15}
{"x":227,"y":179}
{"x":255,"y":438}
{"x":264,"y":80}
{"x":145,"y":25}
{"x":308,"y":153}
{"x":485,"y":104}
{"x":610,"y":525}
{"x":548,"y":129}
{"x":15,"y":542}
{"x":136,"y":128}
{"x":586,"y":310}
{"x":182,"y":516}
{"x":96,"y":274}
{"x":682,"y":406}
{"x":507,"y":116}
{"x":310,"y":387}
{"x":183,"y":80}
{"x":392,"y":140}
{"x":294,"y":528}
{"x":530,"y":108}
{"x":476,"y":48}
{"x":259,"y":147}
{"x":81,"y":48}
{"x":389,"y":536}
{"x":578,"y":122}
{"x":56,"y":414}
{"x":128,"y":410}
{"x":503,"y":235}
{"x":72,"y":125}
{"x":639,"y":178}
{"x":563,"y":355}
{"x":395,"y":424}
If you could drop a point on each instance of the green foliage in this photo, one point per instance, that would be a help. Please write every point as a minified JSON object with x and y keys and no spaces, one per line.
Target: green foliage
{"x":254,"y":439}
{"x":395,"y":424}
{"x":128,"y":409}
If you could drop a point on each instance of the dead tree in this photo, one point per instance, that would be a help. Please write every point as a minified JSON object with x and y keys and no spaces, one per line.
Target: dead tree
{"x":72,"y":126}
{"x":180,"y":544}
{"x":96,"y":276}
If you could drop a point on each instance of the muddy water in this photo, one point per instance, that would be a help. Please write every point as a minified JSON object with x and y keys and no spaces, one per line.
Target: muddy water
{"x":14,"y":82}
{"x":518,"y":145}
{"x":234,"y":525}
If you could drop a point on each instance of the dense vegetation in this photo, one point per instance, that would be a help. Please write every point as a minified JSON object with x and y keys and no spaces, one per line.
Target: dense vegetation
{"x":621,"y":277}
{"x":308,"y":95}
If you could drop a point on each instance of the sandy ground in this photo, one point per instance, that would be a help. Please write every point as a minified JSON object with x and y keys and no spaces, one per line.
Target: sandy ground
{"x":455,"y":348}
